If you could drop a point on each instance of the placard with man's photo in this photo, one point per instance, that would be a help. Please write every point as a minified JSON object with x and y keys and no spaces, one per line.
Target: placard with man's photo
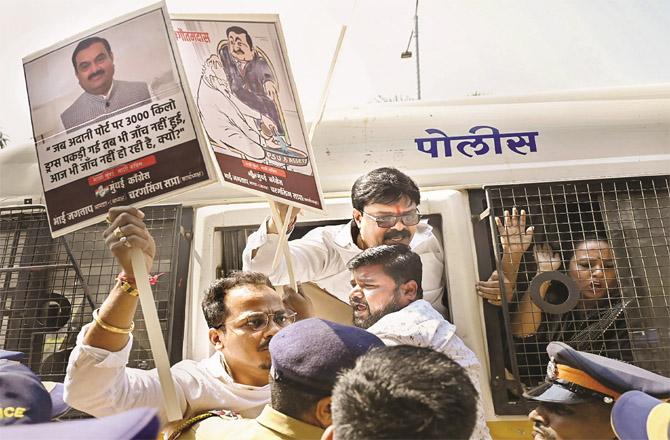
{"x":112,"y":120}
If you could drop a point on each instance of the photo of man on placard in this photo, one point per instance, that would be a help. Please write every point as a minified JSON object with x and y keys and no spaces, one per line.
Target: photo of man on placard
{"x":103,"y":96}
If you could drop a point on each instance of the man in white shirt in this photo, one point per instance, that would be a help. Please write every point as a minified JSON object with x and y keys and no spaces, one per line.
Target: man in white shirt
{"x":243,"y":313}
{"x":385,"y":211}
{"x":386,"y":297}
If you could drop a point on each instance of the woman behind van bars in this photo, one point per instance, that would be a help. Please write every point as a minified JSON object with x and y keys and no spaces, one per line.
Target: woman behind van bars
{"x":596,"y":324}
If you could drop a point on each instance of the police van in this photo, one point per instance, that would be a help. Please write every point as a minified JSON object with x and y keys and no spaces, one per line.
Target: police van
{"x":581,"y":164}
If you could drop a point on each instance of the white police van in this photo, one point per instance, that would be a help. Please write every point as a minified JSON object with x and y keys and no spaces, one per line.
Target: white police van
{"x":579,"y":162}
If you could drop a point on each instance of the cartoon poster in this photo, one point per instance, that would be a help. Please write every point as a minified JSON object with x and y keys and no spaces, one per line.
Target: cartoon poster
{"x":112,"y":120}
{"x":241,"y":81}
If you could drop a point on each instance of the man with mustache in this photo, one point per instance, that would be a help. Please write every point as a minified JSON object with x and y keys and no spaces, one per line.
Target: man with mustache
{"x":251,"y":78}
{"x":385,"y":211}
{"x":243,"y":312}
{"x":387,"y":300}
{"x":103,"y":96}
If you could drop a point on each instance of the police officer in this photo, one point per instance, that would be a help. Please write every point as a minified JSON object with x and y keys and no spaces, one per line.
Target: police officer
{"x":576,"y":399}
{"x":306,"y":359}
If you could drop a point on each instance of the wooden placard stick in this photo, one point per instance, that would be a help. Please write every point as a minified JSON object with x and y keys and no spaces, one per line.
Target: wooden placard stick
{"x":326,"y":88}
{"x":156,"y":341}
{"x":282,"y":244}
{"x":282,"y":229}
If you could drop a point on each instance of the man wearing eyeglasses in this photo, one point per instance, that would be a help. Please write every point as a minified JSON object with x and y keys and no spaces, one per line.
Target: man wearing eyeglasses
{"x":243,"y":312}
{"x":385,"y":211}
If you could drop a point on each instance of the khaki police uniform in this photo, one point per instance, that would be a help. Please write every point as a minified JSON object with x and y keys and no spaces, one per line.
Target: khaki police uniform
{"x":270,"y":425}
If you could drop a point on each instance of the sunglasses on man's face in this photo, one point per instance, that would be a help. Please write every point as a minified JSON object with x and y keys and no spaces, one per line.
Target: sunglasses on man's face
{"x":258,"y":321}
{"x":389,"y":221}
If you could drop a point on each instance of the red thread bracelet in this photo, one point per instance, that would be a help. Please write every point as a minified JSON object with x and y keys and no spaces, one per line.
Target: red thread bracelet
{"x":153,"y":279}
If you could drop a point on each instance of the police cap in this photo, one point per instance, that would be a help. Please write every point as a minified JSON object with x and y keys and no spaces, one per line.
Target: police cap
{"x":23,"y":398}
{"x":135,"y":424}
{"x":311,"y":352}
{"x":638,"y":416}
{"x":575,"y":377}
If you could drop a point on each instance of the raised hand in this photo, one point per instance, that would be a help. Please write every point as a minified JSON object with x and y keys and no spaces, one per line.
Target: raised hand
{"x":126,"y":232}
{"x":490,"y":289}
{"x":283,"y":209}
{"x":514,"y":236}
{"x":547,"y":260}
{"x":299,"y":302}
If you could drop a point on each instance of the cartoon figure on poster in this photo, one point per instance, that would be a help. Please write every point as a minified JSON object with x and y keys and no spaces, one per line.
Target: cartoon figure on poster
{"x":238,"y":101}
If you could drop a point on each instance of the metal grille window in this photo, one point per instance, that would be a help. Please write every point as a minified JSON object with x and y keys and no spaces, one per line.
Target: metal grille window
{"x":49,"y":287}
{"x":596,"y":274}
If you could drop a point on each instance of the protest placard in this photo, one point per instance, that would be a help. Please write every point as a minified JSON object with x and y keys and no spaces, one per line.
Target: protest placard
{"x":111,"y":128}
{"x":124,"y":135}
{"x":239,"y":73}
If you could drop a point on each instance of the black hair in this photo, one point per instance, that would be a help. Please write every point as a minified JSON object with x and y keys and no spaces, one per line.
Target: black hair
{"x":398,"y":262}
{"x":85,"y":43}
{"x":213,"y":306}
{"x":577,"y":239}
{"x":294,"y":400}
{"x":404,"y":392}
{"x":239,"y":30}
{"x":383,"y":185}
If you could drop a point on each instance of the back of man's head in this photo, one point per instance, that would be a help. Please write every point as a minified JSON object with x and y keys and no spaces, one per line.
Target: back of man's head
{"x":306,"y":359}
{"x":398,"y":261}
{"x":383,"y":185}
{"x":213,"y":305}
{"x":404,"y":392}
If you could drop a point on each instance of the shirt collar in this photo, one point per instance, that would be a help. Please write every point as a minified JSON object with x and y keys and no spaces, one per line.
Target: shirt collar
{"x":287,"y":426}
{"x":103,"y":97}
{"x":216,"y":364}
{"x":109,"y":92}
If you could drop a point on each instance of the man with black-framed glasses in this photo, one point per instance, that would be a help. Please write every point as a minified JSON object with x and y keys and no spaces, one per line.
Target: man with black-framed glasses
{"x":243,"y":313}
{"x":385,"y":211}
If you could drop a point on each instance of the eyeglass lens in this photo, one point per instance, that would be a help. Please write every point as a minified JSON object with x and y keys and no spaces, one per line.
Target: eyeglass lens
{"x":259,"y":321}
{"x":410,"y":219}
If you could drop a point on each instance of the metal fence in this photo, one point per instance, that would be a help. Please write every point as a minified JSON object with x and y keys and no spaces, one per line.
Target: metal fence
{"x":49,"y":287}
{"x":596,"y":274}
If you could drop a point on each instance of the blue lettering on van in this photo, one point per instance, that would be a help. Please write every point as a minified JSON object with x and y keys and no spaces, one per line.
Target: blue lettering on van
{"x":477,"y":144}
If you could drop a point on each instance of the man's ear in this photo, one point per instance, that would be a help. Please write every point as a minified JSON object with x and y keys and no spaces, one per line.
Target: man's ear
{"x":356,"y":214}
{"x":408,"y":291}
{"x":329,"y":433}
{"x":216,"y":338}
{"x":322,"y":412}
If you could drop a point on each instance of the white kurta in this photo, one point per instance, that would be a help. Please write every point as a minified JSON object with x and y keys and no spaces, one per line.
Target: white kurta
{"x":99,"y":383}
{"x":321,"y":256}
{"x":421,"y":326}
